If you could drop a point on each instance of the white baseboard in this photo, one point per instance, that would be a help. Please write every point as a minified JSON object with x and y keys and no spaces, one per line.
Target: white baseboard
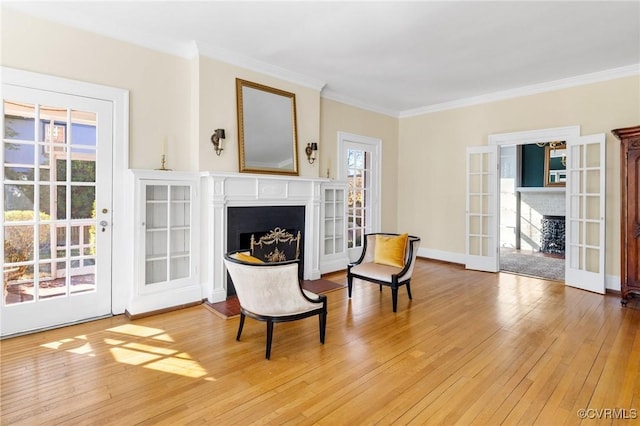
{"x":445,"y":256}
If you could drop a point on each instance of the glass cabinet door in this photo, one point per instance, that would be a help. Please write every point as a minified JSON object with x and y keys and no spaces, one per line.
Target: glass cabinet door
{"x":167,"y":232}
{"x":334,"y":206}
{"x":329,"y":219}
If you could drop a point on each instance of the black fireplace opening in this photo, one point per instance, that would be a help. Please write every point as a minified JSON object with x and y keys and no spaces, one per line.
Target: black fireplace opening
{"x":552,"y":235}
{"x":244,"y":221}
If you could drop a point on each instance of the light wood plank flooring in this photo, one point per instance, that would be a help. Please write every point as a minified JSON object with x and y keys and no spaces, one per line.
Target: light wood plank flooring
{"x":471,"y":348}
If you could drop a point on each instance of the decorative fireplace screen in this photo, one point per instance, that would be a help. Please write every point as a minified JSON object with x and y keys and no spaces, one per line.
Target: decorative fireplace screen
{"x":276,"y":245}
{"x":553,"y":234}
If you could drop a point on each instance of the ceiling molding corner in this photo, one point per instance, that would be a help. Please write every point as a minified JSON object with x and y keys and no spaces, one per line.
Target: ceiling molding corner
{"x":335,"y":96}
{"x":191,"y":49}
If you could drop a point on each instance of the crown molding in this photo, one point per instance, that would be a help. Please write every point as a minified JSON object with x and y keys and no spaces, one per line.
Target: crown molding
{"x":335,"y":96}
{"x":564,"y":83}
{"x":252,"y":64}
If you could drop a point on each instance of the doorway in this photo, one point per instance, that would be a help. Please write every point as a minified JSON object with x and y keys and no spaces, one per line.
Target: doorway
{"x":525,"y":213}
{"x":585,"y":203}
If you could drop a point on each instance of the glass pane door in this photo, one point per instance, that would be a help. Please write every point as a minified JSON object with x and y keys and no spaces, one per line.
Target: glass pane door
{"x":585,"y":232}
{"x":482,"y":209}
{"x":359,"y":163}
{"x":50,"y":226}
{"x":358,"y":177}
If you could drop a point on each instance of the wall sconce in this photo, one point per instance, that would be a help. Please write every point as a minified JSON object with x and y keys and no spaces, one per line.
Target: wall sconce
{"x":216,"y":139}
{"x":311,"y":150}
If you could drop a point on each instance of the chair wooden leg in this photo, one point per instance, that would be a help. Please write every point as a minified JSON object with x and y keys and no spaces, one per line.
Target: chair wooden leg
{"x":394,"y":298}
{"x":240,"y":325}
{"x":409,"y":289}
{"x":323,"y":326}
{"x":380,"y":288}
{"x":349,"y":283}
{"x":269,"y":338}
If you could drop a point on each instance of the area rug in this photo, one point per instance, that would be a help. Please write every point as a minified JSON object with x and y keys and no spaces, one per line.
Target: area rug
{"x":230,"y":308}
{"x":533,"y":265}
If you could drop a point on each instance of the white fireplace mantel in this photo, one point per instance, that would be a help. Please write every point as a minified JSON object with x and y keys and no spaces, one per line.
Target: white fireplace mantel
{"x":223,"y":190}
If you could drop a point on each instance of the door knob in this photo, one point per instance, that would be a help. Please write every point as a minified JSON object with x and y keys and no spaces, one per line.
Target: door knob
{"x":104,"y":224}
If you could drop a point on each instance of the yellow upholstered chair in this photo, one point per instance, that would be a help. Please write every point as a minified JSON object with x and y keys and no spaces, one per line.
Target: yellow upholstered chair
{"x":387,"y":260}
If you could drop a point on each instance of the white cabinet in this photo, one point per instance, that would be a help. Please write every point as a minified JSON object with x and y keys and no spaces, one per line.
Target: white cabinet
{"x":333,"y":250}
{"x":167,"y":229}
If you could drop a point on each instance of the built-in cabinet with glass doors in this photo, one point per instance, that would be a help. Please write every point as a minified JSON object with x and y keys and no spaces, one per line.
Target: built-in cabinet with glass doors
{"x":333,"y":251}
{"x":167,"y":231}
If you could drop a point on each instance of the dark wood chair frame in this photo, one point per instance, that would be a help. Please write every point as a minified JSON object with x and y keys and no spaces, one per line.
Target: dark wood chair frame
{"x":270,"y":320}
{"x":394,"y":281}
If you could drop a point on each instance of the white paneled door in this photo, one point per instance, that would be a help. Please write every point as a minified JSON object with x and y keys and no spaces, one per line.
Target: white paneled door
{"x":57,"y":201}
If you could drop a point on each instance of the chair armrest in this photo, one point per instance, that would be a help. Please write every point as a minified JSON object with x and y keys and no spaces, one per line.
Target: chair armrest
{"x":411,"y":256}
{"x":321,"y":298}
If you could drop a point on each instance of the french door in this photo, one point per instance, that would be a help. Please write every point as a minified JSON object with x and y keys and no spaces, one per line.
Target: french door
{"x":482,"y":209}
{"x":56,"y":176}
{"x":359,"y":158}
{"x":585,"y":208}
{"x":585,"y":229}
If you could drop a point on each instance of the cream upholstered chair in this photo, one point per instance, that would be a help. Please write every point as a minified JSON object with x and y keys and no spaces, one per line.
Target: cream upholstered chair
{"x":379,"y":264}
{"x":271,"y":292}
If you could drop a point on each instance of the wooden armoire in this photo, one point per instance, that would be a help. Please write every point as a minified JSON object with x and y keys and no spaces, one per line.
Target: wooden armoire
{"x":630,"y":211}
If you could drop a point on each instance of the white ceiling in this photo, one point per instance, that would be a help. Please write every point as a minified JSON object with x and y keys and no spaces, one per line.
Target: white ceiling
{"x":387,"y":56}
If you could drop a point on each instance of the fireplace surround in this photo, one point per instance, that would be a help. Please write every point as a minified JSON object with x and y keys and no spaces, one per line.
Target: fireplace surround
{"x":224,"y":192}
{"x":242,"y":222}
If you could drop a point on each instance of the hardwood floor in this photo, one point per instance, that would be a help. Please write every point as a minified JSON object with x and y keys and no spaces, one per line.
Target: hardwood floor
{"x":471,"y":348}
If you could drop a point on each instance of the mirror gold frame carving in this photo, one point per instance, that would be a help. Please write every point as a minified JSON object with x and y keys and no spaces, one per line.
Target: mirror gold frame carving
{"x":547,"y":166}
{"x":267,"y":129}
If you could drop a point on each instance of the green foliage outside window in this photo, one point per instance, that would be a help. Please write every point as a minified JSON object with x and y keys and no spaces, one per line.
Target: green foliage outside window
{"x":19,"y":241}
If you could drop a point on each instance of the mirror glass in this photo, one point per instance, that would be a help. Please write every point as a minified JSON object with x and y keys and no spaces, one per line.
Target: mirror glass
{"x":267,"y":133}
{"x":555,"y":165}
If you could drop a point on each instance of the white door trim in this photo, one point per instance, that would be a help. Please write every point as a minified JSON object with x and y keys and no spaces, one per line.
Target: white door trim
{"x":122,"y":249}
{"x":533,"y":136}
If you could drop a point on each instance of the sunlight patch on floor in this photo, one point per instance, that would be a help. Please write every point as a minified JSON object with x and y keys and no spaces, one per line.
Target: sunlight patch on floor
{"x":137,"y":330}
{"x":145,"y":354}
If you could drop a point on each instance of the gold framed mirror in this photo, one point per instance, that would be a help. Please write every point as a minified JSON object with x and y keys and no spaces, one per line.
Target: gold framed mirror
{"x":267,"y":130}
{"x":555,"y":165}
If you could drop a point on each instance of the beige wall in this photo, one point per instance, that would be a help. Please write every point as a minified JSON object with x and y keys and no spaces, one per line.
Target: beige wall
{"x":158,"y":83}
{"x":337,"y":117}
{"x":431,"y":181}
{"x":182,"y":100}
{"x":218,"y":109}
